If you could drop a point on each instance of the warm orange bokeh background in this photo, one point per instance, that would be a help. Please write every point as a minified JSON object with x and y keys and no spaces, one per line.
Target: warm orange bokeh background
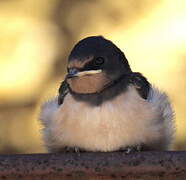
{"x":36,"y":37}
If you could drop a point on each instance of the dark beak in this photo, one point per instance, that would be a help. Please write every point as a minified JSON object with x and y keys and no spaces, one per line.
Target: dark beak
{"x":72,"y":73}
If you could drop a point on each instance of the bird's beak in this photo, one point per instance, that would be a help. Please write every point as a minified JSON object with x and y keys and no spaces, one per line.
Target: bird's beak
{"x":75,"y":73}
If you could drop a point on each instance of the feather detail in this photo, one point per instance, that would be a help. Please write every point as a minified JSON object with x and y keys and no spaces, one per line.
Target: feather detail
{"x":162,"y":105}
{"x":126,"y":120}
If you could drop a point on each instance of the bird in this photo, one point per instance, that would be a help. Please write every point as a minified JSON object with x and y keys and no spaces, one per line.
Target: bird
{"x":103,"y":106}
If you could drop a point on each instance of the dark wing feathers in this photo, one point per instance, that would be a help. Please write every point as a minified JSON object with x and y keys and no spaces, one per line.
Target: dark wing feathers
{"x":141,"y":84}
{"x":63,"y":91}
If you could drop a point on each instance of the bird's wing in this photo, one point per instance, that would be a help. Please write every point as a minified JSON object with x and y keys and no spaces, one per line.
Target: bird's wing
{"x":63,"y":91}
{"x":141,"y":84}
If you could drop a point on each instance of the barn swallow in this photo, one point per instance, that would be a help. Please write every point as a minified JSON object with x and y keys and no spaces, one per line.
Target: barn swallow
{"x":104,"y":106}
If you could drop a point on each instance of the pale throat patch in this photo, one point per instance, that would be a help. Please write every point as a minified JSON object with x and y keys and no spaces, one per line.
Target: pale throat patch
{"x":89,"y":83}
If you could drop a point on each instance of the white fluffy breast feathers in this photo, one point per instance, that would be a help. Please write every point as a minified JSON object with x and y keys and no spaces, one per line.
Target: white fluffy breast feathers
{"x":125,"y":120}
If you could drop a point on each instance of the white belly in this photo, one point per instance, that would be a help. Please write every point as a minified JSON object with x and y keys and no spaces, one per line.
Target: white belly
{"x":125,"y":120}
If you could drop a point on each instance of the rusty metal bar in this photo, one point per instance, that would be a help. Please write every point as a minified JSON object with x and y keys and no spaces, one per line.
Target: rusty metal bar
{"x":116,"y":165}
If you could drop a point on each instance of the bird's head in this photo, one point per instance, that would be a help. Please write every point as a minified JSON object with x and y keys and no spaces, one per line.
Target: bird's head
{"x":93,"y":64}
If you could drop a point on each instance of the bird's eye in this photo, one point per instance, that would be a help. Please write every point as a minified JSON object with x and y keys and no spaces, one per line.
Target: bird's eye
{"x":99,"y":61}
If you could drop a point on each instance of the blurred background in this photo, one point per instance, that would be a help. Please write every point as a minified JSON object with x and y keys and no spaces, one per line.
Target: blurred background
{"x":36,"y":37}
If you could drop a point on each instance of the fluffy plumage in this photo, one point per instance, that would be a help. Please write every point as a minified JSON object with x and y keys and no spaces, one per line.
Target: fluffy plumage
{"x":112,"y":125}
{"x":125,"y":111}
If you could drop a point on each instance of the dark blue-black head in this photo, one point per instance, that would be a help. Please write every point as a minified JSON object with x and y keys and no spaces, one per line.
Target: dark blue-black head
{"x":93,"y":63}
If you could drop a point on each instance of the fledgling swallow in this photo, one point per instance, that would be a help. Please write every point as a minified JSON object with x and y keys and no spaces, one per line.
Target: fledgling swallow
{"x":104,"y":106}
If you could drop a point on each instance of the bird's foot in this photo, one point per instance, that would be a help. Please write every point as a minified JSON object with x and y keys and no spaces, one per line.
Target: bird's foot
{"x":73,"y":150}
{"x":131,"y":149}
